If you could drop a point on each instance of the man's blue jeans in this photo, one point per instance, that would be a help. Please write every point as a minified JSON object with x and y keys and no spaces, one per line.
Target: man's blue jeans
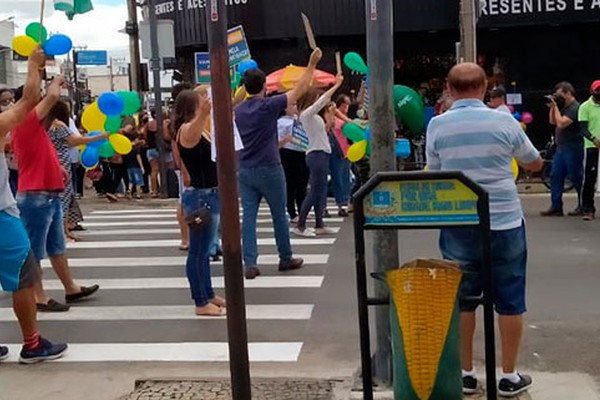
{"x":256,"y":184}
{"x":201,"y":240}
{"x":339,"y":167}
{"x":567,"y":162}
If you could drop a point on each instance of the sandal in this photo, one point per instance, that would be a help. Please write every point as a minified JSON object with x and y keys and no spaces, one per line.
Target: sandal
{"x":219,"y":301}
{"x":211,"y":310}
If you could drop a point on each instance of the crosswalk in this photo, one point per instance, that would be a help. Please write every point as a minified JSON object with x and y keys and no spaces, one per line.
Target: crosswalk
{"x":144,"y":313}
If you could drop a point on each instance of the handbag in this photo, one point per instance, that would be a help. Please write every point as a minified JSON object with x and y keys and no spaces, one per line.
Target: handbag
{"x":199,"y":218}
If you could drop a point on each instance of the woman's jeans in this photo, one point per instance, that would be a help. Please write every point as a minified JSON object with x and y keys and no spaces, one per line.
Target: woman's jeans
{"x":318,"y":164}
{"x":201,"y":240}
{"x":340,"y":174}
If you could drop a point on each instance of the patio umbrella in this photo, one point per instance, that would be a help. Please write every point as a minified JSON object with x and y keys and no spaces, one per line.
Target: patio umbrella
{"x":284,"y":79}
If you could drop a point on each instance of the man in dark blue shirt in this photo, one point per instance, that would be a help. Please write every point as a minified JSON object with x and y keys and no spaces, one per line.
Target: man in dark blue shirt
{"x":260,"y":172}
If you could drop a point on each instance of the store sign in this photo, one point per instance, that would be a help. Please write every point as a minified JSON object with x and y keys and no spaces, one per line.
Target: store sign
{"x":446,"y":202}
{"x":531,"y":7}
{"x":171,"y":6}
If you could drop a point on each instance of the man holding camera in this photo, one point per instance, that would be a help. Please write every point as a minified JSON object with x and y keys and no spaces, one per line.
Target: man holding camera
{"x":568,"y":159}
{"x":589,"y":120}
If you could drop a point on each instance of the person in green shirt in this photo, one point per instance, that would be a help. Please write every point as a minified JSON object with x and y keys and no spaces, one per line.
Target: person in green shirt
{"x":589,"y":119}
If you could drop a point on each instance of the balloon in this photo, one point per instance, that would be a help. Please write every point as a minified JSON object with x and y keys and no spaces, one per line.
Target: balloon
{"x":58,"y":45}
{"x":120,"y":143}
{"x":247,"y":65}
{"x":89,"y":157}
{"x":356,"y":63}
{"x":92,"y":118}
{"x":106,"y":151}
{"x":357,"y":151}
{"x":518,"y":116}
{"x":402,"y":148}
{"x":527,"y":117}
{"x":524,"y":126}
{"x":33,"y":31}
{"x":131,"y":102}
{"x":113,"y":124}
{"x":98,"y":143}
{"x":353,"y":132}
{"x":24,"y":45}
{"x":238,"y":90}
{"x":111,"y":104}
{"x":368,"y":133}
{"x":236,"y":79}
{"x":409,"y":108}
{"x":515,"y":168}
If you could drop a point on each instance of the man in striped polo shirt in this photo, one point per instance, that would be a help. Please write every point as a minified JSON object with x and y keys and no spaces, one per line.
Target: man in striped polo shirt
{"x":481,"y":143}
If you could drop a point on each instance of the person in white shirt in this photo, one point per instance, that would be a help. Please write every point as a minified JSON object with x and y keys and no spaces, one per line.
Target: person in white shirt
{"x":498,"y":100}
{"x":318,"y":155}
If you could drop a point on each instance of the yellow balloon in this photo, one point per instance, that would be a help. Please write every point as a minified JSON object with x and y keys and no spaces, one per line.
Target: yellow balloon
{"x":93,"y":119}
{"x":426,"y":168}
{"x":238,"y":90}
{"x":24,"y":45}
{"x":524,"y":126}
{"x":515,"y":169}
{"x":357,"y":151}
{"x":120,"y":143}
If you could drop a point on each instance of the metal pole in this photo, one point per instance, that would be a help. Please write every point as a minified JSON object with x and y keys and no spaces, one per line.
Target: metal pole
{"x":134,"y":46}
{"x":77,"y":94}
{"x":468,"y":22}
{"x":216,"y":22}
{"x":380,"y":52}
{"x":112,"y":79}
{"x":155,"y":61}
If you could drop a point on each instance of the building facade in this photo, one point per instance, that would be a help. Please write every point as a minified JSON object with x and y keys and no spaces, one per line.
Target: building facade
{"x":527,"y":45}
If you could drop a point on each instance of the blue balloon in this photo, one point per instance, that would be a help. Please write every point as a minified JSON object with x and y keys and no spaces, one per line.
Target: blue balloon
{"x":518,"y":116}
{"x":58,"y":45}
{"x":89,"y":157}
{"x":368,"y":134}
{"x":246,"y":66}
{"x":98,"y":143}
{"x":111,"y":103}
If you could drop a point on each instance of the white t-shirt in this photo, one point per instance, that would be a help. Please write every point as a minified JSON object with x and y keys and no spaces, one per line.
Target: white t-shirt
{"x":314,"y":126}
{"x":74,"y":151}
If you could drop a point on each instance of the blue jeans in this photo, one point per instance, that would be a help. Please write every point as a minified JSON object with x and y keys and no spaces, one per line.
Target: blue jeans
{"x":74,"y":177}
{"x":13,"y":181}
{"x":318,"y":164}
{"x":201,"y":240}
{"x":509,"y":265}
{"x":567,"y":162}
{"x":340,"y":177}
{"x":256,"y":184}
{"x":42,"y":216}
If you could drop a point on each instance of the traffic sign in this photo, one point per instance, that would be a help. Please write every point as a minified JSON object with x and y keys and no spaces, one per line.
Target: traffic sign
{"x":91,"y":57}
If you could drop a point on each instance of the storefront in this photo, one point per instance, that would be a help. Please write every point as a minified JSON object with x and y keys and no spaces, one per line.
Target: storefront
{"x":534,"y":43}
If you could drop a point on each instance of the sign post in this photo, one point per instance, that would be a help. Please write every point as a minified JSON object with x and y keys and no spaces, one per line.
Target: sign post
{"x":421,"y":200}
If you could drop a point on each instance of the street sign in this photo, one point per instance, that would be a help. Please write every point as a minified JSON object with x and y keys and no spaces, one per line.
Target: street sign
{"x":238,"y":51}
{"x":202,"y":68}
{"x":424,"y":202}
{"x":92,"y":57}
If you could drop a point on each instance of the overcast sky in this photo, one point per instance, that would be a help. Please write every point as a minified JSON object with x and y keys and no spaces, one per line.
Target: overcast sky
{"x":98,"y":29}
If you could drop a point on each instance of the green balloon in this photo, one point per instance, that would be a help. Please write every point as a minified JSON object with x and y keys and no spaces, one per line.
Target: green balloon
{"x":113,"y":124}
{"x":356,"y":63}
{"x":132,"y":103}
{"x":410,"y":109}
{"x":106,"y":151}
{"x":236,"y":78}
{"x":353,"y":132}
{"x":33,"y":31}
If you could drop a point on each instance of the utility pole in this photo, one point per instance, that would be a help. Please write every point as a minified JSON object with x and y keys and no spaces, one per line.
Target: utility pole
{"x":216,"y":23}
{"x":380,"y":54}
{"x":468,"y":30}
{"x":134,"y":45}
{"x":155,"y":62}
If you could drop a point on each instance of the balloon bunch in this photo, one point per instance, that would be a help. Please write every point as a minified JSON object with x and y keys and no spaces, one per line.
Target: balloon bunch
{"x":236,"y":76}
{"x":361,"y":146}
{"x":105,"y":115}
{"x":525,"y":118}
{"x":55,"y":45}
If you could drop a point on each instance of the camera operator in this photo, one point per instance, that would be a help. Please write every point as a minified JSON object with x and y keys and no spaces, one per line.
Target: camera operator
{"x":589,"y":119}
{"x":568,"y":159}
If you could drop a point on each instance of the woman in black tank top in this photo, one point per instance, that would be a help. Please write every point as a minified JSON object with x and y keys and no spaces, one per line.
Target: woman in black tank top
{"x":200,"y":201}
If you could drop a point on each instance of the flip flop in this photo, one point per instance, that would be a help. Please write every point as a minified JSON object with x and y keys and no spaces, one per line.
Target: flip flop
{"x":220,"y":312}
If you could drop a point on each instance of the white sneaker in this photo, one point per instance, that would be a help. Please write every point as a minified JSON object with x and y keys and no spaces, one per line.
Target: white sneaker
{"x":324,"y":231}
{"x":304,"y":233}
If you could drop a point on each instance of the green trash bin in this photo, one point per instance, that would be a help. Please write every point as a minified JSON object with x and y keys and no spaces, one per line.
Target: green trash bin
{"x":424,"y":317}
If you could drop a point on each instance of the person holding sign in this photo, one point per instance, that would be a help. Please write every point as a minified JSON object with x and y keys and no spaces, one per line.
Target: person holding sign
{"x":482,"y":142}
{"x":260,"y":172}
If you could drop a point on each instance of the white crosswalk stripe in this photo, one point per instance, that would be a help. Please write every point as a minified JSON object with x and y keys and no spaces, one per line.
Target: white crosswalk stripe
{"x":143,"y":311}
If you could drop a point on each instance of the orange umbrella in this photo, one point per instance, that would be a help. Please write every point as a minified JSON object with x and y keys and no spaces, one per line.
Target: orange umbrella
{"x":284,"y":79}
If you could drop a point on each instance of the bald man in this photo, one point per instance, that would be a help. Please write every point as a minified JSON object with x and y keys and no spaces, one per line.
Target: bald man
{"x":481,"y":142}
